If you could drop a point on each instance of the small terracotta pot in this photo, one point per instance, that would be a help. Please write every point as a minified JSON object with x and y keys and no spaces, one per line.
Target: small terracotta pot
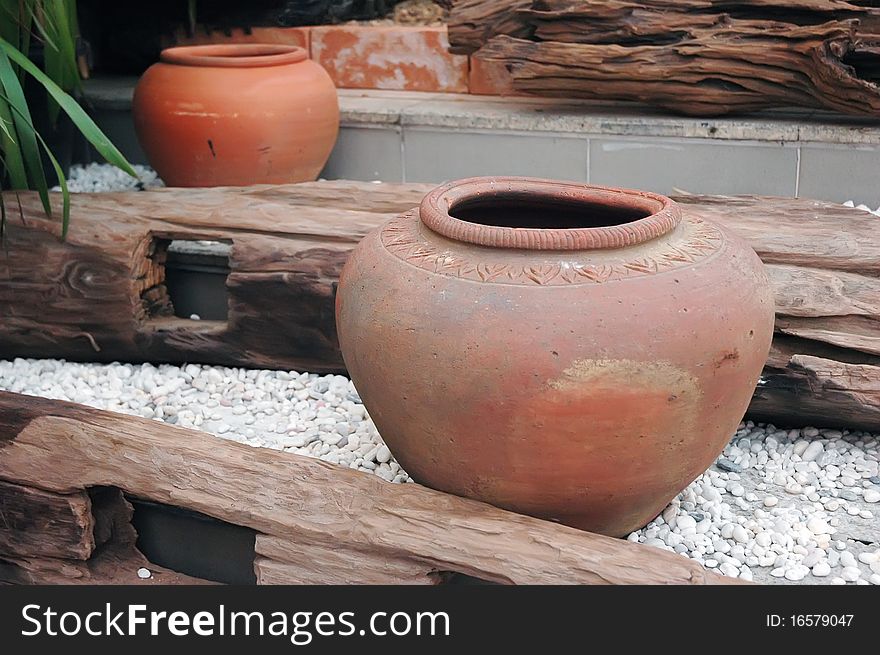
{"x":571,"y":352}
{"x":236,"y":114}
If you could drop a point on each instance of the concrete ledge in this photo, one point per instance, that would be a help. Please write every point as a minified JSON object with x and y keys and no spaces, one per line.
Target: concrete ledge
{"x":469,"y":112}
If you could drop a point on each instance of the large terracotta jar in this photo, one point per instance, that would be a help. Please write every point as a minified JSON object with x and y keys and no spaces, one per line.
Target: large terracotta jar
{"x":236,"y":114}
{"x":571,"y":352}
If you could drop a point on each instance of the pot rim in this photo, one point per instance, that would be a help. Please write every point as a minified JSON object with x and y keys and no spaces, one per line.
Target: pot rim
{"x":234,"y":55}
{"x":664,"y":214}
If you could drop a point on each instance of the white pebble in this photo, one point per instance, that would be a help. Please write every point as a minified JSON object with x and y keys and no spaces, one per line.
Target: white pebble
{"x":144,"y":574}
{"x":740,"y":535}
{"x":821,"y":569}
{"x":812,"y":451}
{"x":818,"y":526}
{"x":383,"y":455}
{"x":685,"y":522}
{"x":868,"y":557}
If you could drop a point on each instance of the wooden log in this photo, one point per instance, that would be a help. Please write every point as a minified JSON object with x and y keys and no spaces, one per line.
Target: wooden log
{"x":802,"y":389}
{"x":313,"y":506}
{"x":289,"y":243}
{"x":43,"y":524}
{"x":45,"y":549}
{"x":280,"y":562}
{"x":700,"y":57}
{"x":473,"y":22}
{"x":116,"y":565}
{"x":103,"y":296}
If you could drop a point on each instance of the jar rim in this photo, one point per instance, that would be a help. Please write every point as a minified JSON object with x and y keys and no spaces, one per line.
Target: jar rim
{"x":234,"y":55}
{"x":661,"y":214}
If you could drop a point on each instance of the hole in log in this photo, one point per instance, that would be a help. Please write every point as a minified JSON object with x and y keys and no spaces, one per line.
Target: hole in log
{"x":865,"y":62}
{"x":193,"y":543}
{"x":187,"y":278}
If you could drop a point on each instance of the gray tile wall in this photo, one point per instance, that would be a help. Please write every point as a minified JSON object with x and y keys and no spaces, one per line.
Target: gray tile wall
{"x":667,"y":165}
{"x":366,"y":153}
{"x":825,"y":172}
{"x":440,"y":155}
{"x":841,"y":173}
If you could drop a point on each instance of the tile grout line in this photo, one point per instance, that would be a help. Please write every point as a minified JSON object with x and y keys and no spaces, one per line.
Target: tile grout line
{"x":402,"y":154}
{"x":589,"y":174}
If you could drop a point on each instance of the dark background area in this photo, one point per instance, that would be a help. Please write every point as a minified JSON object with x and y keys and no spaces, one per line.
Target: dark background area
{"x":125,"y":37}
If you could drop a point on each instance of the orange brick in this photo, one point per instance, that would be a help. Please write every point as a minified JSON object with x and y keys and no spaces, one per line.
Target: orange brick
{"x":490,"y":78}
{"x":298,"y":36}
{"x":389,"y":57}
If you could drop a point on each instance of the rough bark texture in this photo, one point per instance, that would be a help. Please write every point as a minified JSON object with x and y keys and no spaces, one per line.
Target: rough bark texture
{"x":101,"y":295}
{"x":318,"y":522}
{"x":77,"y":538}
{"x":473,"y":22}
{"x":700,"y":57}
{"x":85,"y":298}
{"x":39,"y":523}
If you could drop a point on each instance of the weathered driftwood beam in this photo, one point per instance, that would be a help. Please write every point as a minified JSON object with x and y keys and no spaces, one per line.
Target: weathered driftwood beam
{"x":473,"y":22}
{"x":48,"y":538}
{"x":701,"y":57}
{"x":317,"y":522}
{"x":100,"y":295}
{"x":40,"y":523}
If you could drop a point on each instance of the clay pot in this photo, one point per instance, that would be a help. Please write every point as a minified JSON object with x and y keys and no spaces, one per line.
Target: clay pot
{"x":570,"y":352}
{"x":236,"y":114}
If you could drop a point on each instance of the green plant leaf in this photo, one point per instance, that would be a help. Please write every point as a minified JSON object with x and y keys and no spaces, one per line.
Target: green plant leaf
{"x":70,"y":106}
{"x":59,"y":53}
{"x":5,"y":130}
{"x":62,"y":181}
{"x":65,"y":192}
{"x":191,"y":16}
{"x":2,"y":213}
{"x":24,"y":129}
{"x":14,"y":164}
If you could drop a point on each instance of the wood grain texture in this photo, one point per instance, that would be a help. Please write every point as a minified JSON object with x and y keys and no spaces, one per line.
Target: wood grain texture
{"x":44,"y":524}
{"x":473,"y":22}
{"x":99,"y":296}
{"x":281,"y":562}
{"x":113,"y":565}
{"x":40,"y":552}
{"x":813,"y":390}
{"x":304,"y":505}
{"x":698,"y":57}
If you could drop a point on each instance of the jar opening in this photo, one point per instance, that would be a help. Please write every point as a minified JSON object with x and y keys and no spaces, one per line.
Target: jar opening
{"x":519,"y":210}
{"x":535,"y":214}
{"x":234,"y":55}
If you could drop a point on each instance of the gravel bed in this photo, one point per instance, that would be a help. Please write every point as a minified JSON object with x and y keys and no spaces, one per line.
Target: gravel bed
{"x":88,"y":178}
{"x":779,"y":505}
{"x":302,"y":413}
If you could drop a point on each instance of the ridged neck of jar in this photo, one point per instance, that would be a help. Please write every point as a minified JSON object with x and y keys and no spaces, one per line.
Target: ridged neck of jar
{"x":234,"y":55}
{"x":535,"y":214}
